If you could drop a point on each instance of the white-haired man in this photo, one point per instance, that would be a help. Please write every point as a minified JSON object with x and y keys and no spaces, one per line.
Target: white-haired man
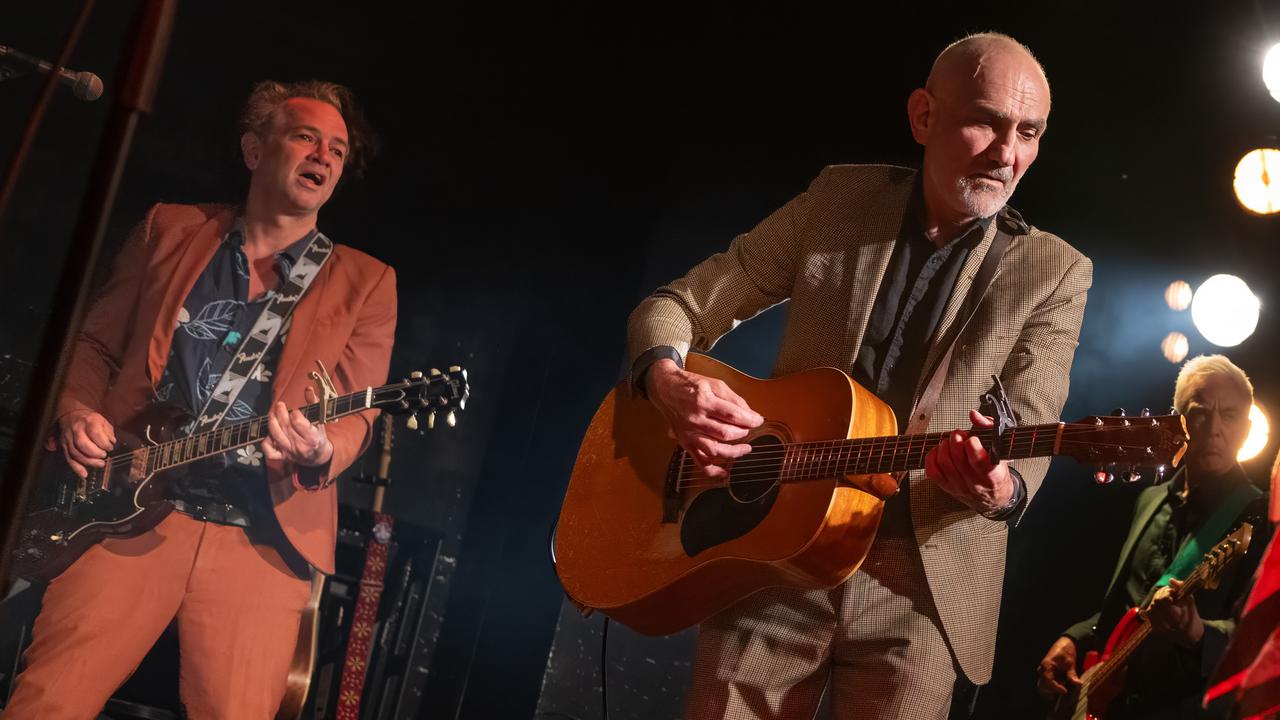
{"x":1166,"y":677}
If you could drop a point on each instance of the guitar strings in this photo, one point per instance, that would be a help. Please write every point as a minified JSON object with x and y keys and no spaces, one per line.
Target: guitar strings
{"x":127,"y":458}
{"x":1018,"y":436}
{"x":886,"y":444}
{"x":874,"y":443}
{"x":756,"y":474}
{"x":805,"y":455}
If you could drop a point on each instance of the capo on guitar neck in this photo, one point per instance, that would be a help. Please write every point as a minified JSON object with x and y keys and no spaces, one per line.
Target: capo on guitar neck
{"x":326,"y":390}
{"x":1005,"y":419}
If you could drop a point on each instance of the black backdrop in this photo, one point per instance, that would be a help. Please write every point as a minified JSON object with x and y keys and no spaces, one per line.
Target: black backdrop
{"x":545,"y":165}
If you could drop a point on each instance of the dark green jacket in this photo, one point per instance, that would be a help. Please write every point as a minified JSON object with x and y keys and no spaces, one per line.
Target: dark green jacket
{"x":1164,"y":679}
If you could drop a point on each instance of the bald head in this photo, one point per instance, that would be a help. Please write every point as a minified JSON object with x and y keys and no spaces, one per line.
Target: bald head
{"x":979,"y":117}
{"x":970,"y":60}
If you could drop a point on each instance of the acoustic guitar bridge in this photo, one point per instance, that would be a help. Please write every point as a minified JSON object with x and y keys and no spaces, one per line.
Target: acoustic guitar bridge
{"x":671,"y":496}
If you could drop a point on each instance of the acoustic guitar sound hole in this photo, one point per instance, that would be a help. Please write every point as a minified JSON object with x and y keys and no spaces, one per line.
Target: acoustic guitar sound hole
{"x":719,"y":515}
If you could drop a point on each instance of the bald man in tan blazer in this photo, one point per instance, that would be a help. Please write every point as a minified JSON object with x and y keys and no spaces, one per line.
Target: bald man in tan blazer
{"x":891,"y":641}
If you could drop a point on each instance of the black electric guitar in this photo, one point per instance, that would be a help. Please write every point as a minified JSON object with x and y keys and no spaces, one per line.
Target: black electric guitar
{"x":126,"y":497}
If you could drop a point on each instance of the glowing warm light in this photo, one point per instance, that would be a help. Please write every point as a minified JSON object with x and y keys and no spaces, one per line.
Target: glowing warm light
{"x":1259,"y":433}
{"x":1254,"y":184}
{"x":1178,"y":295}
{"x":1224,"y":310}
{"x":1174,"y":346}
{"x":1271,"y":71}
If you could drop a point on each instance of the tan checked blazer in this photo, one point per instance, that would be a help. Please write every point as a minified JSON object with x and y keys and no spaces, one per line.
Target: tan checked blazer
{"x":826,"y":250}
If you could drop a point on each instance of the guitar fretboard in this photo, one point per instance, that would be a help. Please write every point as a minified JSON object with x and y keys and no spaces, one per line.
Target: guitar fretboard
{"x":210,"y":443}
{"x":896,"y":453}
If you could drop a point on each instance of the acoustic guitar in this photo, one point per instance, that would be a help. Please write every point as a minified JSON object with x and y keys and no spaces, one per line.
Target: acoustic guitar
{"x":647,"y":538}
{"x":1104,"y":673}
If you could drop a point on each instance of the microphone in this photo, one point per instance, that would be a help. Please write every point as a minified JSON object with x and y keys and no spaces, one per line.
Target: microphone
{"x":84,"y":85}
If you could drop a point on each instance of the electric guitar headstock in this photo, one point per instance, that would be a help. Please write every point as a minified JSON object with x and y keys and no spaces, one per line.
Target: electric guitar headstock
{"x":1224,"y":553}
{"x":433,"y":393}
{"x":1116,"y":439}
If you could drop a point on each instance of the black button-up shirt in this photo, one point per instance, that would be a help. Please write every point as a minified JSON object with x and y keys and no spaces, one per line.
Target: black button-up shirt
{"x":913,"y":295}
{"x":214,"y":319}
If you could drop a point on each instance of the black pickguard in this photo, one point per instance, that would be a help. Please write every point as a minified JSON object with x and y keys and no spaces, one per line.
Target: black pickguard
{"x":719,"y":515}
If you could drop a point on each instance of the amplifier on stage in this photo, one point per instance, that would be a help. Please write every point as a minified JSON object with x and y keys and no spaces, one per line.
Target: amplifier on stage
{"x":404,"y":632}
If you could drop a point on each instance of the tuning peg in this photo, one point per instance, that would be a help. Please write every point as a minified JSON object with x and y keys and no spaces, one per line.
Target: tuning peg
{"x":1102,"y":477}
{"x":1160,"y":471}
{"x":1118,"y":412}
{"x":1132,"y":475}
{"x":435,"y":372}
{"x":451,"y":419}
{"x":455,"y":368}
{"x":1146,"y":412}
{"x":431,"y":420}
{"x":1173,"y":410}
{"x":415,"y":375}
{"x":462,"y":404}
{"x":412,"y":422}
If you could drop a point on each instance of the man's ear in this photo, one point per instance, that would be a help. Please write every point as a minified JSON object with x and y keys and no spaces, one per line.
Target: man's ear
{"x":920,"y":114}
{"x":251,"y":149}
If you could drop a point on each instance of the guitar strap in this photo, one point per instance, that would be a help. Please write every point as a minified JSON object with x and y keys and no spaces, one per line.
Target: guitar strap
{"x":1210,"y":533}
{"x":265,"y":331}
{"x":1008,"y":223}
{"x":355,"y":666}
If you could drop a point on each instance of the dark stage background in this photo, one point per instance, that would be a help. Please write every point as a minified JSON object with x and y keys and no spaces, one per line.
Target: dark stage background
{"x":546,"y":165}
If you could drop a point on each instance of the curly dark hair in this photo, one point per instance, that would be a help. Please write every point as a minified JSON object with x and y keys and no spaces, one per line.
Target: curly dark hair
{"x":268,"y":95}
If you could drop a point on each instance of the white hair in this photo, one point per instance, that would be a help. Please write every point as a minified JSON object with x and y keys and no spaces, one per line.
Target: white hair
{"x":1201,"y":366}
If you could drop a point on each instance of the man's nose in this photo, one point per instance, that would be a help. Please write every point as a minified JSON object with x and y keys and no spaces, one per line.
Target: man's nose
{"x":320,"y":153}
{"x":1213,"y":424}
{"x":1003,"y":148}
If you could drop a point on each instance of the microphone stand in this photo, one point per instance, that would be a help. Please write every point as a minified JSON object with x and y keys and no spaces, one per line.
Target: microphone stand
{"x":8,"y":72}
{"x":142,"y":60}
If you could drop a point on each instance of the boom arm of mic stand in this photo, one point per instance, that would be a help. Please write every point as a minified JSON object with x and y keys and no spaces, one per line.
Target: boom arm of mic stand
{"x":144,"y":58}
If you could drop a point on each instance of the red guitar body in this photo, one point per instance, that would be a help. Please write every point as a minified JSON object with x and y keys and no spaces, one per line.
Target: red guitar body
{"x":1102,"y":695}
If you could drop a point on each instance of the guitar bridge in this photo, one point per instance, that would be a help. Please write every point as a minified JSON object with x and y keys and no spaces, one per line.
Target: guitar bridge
{"x":672,"y":497}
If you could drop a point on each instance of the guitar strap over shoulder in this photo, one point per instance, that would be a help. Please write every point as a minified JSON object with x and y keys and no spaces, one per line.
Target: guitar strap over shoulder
{"x":1210,"y":533}
{"x":265,"y":331}
{"x":1006,"y":226}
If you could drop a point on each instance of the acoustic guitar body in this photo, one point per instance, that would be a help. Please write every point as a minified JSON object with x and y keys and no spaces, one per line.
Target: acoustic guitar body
{"x":660,"y":550}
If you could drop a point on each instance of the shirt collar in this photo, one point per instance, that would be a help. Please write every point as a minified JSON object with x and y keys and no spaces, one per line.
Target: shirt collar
{"x":1209,"y":491}
{"x":235,"y":238}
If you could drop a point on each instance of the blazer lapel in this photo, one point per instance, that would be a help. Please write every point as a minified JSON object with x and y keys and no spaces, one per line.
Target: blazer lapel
{"x":951,"y":314}
{"x":197,"y":252}
{"x":881,"y":225}
{"x":1142,"y":514}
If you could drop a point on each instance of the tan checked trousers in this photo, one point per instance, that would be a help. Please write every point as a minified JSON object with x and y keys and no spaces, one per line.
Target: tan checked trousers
{"x":875,"y":640}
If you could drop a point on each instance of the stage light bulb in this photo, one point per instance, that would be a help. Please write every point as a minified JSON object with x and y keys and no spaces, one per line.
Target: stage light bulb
{"x":1175,"y":347}
{"x":1259,"y":433}
{"x":1271,"y":71}
{"x":1224,"y":310}
{"x":1257,"y":181}
{"x":1178,"y":295}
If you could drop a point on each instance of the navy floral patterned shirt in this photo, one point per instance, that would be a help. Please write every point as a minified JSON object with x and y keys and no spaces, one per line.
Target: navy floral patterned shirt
{"x":215,"y":317}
